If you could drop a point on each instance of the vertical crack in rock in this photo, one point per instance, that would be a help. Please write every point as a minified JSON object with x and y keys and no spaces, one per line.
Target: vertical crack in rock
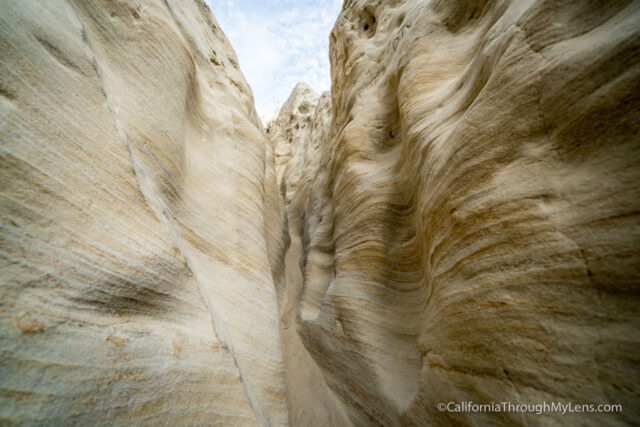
{"x":150,"y":193}
{"x":155,"y":189}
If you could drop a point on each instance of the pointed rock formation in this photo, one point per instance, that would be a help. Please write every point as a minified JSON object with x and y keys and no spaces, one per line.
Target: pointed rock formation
{"x":290,"y":129}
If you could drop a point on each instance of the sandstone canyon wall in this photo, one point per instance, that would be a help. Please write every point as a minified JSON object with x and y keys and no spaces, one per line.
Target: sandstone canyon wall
{"x":140,"y":221}
{"x":457,"y":220}
{"x":469,"y":222}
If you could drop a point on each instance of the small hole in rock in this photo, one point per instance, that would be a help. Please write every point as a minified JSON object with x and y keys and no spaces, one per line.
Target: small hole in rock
{"x":366,"y":27}
{"x":391,"y":134}
{"x":373,"y":19}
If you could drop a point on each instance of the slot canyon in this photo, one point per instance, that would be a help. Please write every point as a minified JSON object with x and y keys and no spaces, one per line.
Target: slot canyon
{"x":456,"y":220}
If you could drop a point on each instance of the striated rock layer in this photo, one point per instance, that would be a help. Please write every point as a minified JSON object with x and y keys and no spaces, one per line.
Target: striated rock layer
{"x":468,"y":224}
{"x":298,"y":134}
{"x":457,"y":221}
{"x":140,"y":221}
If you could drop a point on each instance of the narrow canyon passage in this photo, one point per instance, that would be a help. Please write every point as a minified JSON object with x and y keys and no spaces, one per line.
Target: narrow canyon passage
{"x":455,"y":220}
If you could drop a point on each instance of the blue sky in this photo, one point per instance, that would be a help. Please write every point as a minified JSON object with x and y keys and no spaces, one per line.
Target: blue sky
{"x":279,"y":43}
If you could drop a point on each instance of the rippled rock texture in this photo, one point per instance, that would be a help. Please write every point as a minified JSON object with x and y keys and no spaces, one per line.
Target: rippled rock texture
{"x":140,"y":221}
{"x":457,"y":220}
{"x":470,"y":229}
{"x":298,"y":135}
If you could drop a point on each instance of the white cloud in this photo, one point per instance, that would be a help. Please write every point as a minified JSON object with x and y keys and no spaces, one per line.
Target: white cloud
{"x":279,"y":43}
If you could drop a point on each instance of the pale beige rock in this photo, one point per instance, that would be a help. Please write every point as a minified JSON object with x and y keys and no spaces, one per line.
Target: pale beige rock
{"x":289,"y":131}
{"x":457,"y":221}
{"x":470,"y":232}
{"x":141,"y":225}
{"x":298,"y":134}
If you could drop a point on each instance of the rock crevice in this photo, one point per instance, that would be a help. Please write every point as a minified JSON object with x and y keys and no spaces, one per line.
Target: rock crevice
{"x":455,"y":221}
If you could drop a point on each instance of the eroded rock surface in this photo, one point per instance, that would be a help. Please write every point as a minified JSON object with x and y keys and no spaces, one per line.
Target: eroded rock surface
{"x":470,"y":230}
{"x":457,"y":220}
{"x":141,"y":228}
{"x":298,"y":135}
{"x":290,"y":131}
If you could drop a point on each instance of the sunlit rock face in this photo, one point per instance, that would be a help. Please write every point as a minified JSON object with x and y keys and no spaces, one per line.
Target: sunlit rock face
{"x":142,"y":233}
{"x":289,"y":131}
{"x":469,"y":231}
